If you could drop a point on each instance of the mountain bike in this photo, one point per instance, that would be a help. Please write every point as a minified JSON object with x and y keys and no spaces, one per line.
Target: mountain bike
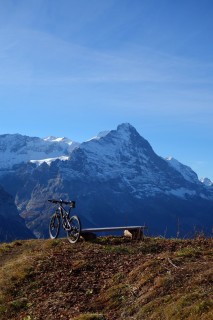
{"x":70,"y":224}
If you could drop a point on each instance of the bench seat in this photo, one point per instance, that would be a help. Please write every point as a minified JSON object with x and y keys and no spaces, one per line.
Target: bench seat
{"x":112,"y":228}
{"x":135,"y":232}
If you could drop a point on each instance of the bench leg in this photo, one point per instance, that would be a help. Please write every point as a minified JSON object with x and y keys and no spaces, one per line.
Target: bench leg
{"x":88,"y":236}
{"x":134,"y":234}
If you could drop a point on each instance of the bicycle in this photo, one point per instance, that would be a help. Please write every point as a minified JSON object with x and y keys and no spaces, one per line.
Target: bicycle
{"x":71,"y":225}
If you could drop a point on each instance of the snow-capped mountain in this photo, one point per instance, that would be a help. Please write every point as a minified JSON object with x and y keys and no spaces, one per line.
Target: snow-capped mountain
{"x":124,"y":154}
{"x":16,"y":148}
{"x":184,"y":170}
{"x":59,"y":140}
{"x":116,"y":178}
{"x":100,"y":135}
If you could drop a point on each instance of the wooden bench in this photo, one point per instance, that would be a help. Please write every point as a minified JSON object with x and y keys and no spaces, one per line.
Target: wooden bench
{"x":133,"y":232}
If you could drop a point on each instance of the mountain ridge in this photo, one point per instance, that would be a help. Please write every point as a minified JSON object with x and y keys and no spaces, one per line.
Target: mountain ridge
{"x":39,"y":150}
{"x":115,"y":179}
{"x":17,"y":148}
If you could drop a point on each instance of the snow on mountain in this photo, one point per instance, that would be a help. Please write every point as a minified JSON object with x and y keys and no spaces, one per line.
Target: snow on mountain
{"x":124,"y":155}
{"x":65,"y":140}
{"x":207,"y":182}
{"x":49,"y":160}
{"x":114,"y":152}
{"x":184,"y":170}
{"x":100,"y":135}
{"x":182,"y":193}
{"x":121,"y":152}
{"x":17,"y":148}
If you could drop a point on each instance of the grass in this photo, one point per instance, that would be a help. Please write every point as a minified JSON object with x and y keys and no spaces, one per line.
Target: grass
{"x":107,"y":279}
{"x":18,"y":261}
{"x":189,"y":252}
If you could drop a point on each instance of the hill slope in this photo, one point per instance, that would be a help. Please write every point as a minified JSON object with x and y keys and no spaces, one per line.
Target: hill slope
{"x":111,"y":278}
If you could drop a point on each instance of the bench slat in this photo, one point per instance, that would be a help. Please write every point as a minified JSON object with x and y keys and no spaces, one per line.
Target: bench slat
{"x":112,"y":228}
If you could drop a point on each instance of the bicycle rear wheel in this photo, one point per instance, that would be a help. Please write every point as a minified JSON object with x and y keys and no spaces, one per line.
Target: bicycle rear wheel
{"x":73,"y":234}
{"x":54,"y":226}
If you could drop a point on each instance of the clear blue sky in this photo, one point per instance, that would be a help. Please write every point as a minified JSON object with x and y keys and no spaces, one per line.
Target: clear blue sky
{"x":76,"y":67}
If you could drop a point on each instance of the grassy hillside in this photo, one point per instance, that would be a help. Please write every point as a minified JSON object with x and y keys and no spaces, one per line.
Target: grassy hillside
{"x":109,"y":279}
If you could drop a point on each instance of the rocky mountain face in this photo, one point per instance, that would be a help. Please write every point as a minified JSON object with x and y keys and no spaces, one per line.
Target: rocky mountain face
{"x":207,"y":182}
{"x":12,"y":226}
{"x":116,"y":179}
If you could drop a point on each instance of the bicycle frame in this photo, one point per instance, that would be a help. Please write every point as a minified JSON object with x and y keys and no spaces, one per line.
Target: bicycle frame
{"x":64,"y":215}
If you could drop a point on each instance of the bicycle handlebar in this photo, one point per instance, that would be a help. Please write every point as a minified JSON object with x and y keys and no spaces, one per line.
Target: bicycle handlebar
{"x":71,"y":203}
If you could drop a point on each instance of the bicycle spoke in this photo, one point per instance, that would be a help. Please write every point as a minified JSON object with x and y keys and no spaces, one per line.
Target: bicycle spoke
{"x":54,"y":226}
{"x":73,"y":234}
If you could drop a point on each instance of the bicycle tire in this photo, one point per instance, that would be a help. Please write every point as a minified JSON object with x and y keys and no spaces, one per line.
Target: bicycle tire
{"x":54,"y":226}
{"x":74,"y":233}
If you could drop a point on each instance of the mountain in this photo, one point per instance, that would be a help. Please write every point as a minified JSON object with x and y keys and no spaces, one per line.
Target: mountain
{"x":116,"y":179}
{"x":17,"y":148}
{"x":12,"y":226}
{"x":207,"y":182}
{"x":184,"y":170}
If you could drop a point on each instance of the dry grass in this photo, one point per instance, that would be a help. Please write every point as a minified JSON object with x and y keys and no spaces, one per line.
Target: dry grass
{"x":90,"y":316}
{"x":16,"y":267}
{"x":107,"y":279}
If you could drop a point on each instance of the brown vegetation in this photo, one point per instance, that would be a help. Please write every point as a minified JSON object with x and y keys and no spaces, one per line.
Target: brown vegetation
{"x":108,"y":279}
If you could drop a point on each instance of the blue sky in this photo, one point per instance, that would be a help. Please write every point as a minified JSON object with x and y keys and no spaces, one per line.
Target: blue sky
{"x":76,"y":67}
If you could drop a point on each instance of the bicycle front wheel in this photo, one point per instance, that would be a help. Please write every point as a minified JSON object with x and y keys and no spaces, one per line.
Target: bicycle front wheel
{"x":73,"y":234}
{"x":54,"y":226}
